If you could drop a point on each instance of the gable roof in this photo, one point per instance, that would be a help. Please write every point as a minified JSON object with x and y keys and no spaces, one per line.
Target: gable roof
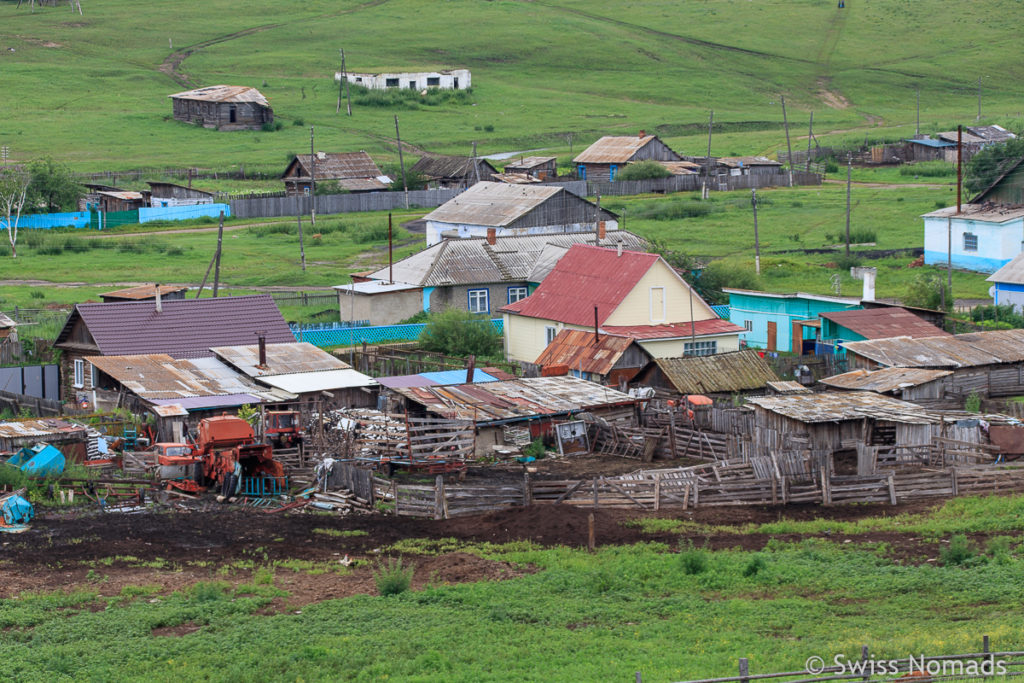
{"x":142,"y":292}
{"x":1012,"y":273}
{"x":437,"y":166}
{"x":719,"y":373}
{"x":474,"y":261}
{"x":185,"y":328}
{"x":885,"y":380}
{"x":282,"y":359}
{"x":500,"y":204}
{"x":223,"y":93}
{"x":336,"y":166}
{"x":988,"y":212}
{"x":1010,"y":168}
{"x":585,"y":277}
{"x":882,"y":323}
{"x":701,"y":328}
{"x":530,"y":162}
{"x":578,"y":350}
{"x":955,"y":351}
{"x":844,"y":407}
{"x":616,"y":149}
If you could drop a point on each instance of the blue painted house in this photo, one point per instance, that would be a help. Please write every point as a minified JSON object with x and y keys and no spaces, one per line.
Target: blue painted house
{"x":773,"y":321}
{"x":1008,"y":287}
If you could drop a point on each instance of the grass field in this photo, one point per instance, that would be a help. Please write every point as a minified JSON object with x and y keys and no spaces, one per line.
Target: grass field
{"x":669,"y":610}
{"x":541,"y":71}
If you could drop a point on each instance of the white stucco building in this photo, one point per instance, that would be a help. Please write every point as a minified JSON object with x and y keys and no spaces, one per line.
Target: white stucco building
{"x":449,"y":79}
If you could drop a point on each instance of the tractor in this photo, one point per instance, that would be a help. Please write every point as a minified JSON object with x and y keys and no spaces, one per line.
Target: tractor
{"x":228,"y":451}
{"x":283,"y":428}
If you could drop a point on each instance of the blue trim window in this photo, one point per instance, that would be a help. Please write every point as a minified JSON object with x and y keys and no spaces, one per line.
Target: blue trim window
{"x":612,"y":170}
{"x":701,"y":348}
{"x":581,"y":171}
{"x":516,"y":293}
{"x":479,"y":301}
{"x":970,"y":241}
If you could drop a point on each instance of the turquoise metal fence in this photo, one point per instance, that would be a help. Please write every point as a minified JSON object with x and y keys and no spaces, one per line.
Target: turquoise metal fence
{"x":318,"y":336}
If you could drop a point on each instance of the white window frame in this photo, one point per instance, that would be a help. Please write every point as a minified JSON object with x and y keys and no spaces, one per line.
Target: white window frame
{"x":664,"y":305}
{"x":94,"y":375}
{"x":550,"y":332}
{"x":476,"y":294}
{"x":702,"y":348}
{"x":79,"y":366}
{"x":748,"y":325}
{"x":518,"y":289}
{"x":974,"y":238}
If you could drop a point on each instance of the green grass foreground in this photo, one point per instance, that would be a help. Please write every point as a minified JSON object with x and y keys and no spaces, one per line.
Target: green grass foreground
{"x":580,"y":617}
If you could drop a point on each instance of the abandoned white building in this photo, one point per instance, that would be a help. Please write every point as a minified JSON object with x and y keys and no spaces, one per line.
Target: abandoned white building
{"x":446,"y":79}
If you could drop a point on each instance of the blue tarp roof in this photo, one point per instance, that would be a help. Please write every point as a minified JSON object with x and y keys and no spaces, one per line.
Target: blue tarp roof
{"x":933,"y":143}
{"x":457,"y":377}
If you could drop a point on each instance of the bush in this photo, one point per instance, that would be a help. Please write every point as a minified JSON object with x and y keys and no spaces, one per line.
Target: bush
{"x":536,"y":449}
{"x":973,"y":403}
{"x":755,"y":566}
{"x":209,"y":591}
{"x":926,"y":290}
{"x":460,"y":333}
{"x":958,"y":553}
{"x":643,"y":170}
{"x":846,"y":261}
{"x":997,"y":314}
{"x":928,"y":169}
{"x":271,"y":126}
{"x":998,"y":548}
{"x":693,"y":560}
{"x":391,"y":577}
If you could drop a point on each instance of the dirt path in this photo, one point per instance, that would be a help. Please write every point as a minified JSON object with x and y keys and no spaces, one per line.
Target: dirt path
{"x":172,"y":64}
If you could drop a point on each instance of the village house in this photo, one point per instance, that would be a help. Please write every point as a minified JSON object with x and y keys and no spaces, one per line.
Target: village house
{"x":722,"y":376}
{"x":603,"y":160}
{"x":223,"y":107}
{"x":162,"y":194}
{"x":619,"y":292}
{"x":185,"y":328}
{"x":350,"y":171}
{"x":107,"y":198}
{"x":602,"y":358}
{"x":1008,"y":284}
{"x":541,"y":168}
{"x":479,"y":275}
{"x":782,"y":321}
{"x":750,"y":165}
{"x":511,"y":210}
{"x":445,"y":79}
{"x":145,"y":293}
{"x":453,"y":172}
{"x":839,"y":327}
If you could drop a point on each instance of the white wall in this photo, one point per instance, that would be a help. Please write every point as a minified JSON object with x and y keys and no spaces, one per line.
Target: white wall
{"x":379,"y":81}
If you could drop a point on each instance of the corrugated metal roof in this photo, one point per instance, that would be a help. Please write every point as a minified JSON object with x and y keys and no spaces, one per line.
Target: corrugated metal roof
{"x":578,"y":350}
{"x":37,"y":428}
{"x":850,"y":301}
{"x":720,"y":373}
{"x":443,"y":377}
{"x":223,"y":93}
{"x":453,"y":167}
{"x":843,"y":407}
{"x":740,"y":162}
{"x":585,"y":277}
{"x":510,"y":259}
{"x":282,"y":359}
{"x":991,"y":213}
{"x":335,"y":166}
{"x":493,"y":204}
{"x":530,"y":162}
{"x":326,"y":380}
{"x":208,"y":402}
{"x":884,"y":380}
{"x":186,"y":328}
{"x":614,"y":149}
{"x":958,"y":351}
{"x":121,"y":194}
{"x":515,"y":400}
{"x":928,"y":142}
{"x":515,"y":178}
{"x":967,"y":138}
{"x":788,"y":387}
{"x":883,"y":323}
{"x":143,"y":292}
{"x":700,"y":328}
{"x":361,"y":184}
{"x":1012,"y":273}
{"x":376,"y":287}
{"x":169,"y":410}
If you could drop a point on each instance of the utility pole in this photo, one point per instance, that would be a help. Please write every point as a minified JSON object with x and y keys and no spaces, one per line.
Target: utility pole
{"x":917,"y":126}
{"x":789,"y":147}
{"x":757,"y":243}
{"x":979,"y":98}
{"x":810,"y":136}
{"x":312,"y":178}
{"x":391,"y":262}
{"x":704,"y":194}
{"x":849,"y":172}
{"x":476,"y":166}
{"x":302,"y":249}
{"x":401,"y":162}
{"x":344,"y":83}
{"x":216,"y":268}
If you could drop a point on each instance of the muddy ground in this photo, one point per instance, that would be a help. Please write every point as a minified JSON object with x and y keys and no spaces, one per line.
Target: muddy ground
{"x":169,"y":551}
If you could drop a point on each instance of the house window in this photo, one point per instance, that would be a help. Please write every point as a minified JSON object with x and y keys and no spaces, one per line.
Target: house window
{"x":970,"y":241}
{"x":581,"y":171}
{"x":701,"y":348}
{"x":412,"y":85}
{"x":94,"y":376}
{"x":390,"y":82}
{"x":611,"y":172}
{"x":516,"y":293}
{"x":748,"y":325}
{"x":549,"y":334}
{"x":433,"y":80}
{"x":359,"y":79}
{"x":79,"y":373}
{"x":479,"y":301}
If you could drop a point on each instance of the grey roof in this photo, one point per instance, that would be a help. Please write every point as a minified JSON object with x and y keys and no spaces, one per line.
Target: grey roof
{"x":843,"y":407}
{"x":885,"y":380}
{"x":737,"y":162}
{"x":1012,"y":273}
{"x":510,"y":259}
{"x":223,"y":93}
{"x":376,"y":287}
{"x":959,"y":351}
{"x":992,"y":133}
{"x":719,"y":373}
{"x":339,"y":166}
{"x":282,"y":359}
{"x":500,"y":204}
{"x":529,"y":162}
{"x":434,"y":166}
{"x":990,"y":213}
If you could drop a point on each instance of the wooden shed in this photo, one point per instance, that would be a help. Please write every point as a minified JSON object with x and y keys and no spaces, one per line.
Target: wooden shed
{"x":223,"y":107}
{"x":605,"y":158}
{"x":542,"y":168}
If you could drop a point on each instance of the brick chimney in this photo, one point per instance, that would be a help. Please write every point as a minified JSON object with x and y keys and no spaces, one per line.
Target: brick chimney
{"x":263,"y":351}
{"x":643,"y":134}
{"x":601,"y":230}
{"x":492,"y":236}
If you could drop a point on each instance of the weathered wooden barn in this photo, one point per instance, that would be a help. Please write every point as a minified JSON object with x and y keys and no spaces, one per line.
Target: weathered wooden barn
{"x":223,"y":107}
{"x":916,"y":385}
{"x":542,"y":168}
{"x":602,"y":161}
{"x":349,"y":171}
{"x":453,"y":172}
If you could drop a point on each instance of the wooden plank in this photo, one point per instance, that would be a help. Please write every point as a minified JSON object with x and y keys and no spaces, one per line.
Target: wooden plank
{"x":569,"y":492}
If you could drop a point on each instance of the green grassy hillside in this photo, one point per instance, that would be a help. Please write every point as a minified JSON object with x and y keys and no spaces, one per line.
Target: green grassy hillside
{"x":93,"y":89}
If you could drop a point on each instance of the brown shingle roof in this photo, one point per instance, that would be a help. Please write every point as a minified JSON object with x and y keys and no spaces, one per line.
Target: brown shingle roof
{"x":336,"y":166}
{"x":185,"y":328}
{"x":223,"y":93}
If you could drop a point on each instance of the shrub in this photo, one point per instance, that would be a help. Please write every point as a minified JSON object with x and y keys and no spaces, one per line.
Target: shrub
{"x":693,"y":560}
{"x":928,"y":169}
{"x":998,"y":548}
{"x":271,"y":126}
{"x":460,"y":333}
{"x":926,"y":290}
{"x":973,"y":403}
{"x":391,"y":577}
{"x":209,"y":591}
{"x":535,"y":449}
{"x":959,"y":552}
{"x":297,"y":122}
{"x":643,"y":170}
{"x":846,"y":261}
{"x":755,"y":566}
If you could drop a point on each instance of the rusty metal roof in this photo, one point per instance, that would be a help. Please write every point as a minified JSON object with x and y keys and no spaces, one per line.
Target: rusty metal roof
{"x":474,"y":261}
{"x":158,"y":376}
{"x":41,"y":429}
{"x":282,"y":359}
{"x":578,"y":350}
{"x":223,"y":93}
{"x":958,"y":351}
{"x":515,"y":400}
{"x":143,"y":292}
{"x":700,"y":328}
{"x":843,"y":407}
{"x":335,"y":166}
{"x":1012,"y":273}
{"x":885,"y":380}
{"x":614,"y":149}
{"x":720,"y":373}
{"x":883,"y":323}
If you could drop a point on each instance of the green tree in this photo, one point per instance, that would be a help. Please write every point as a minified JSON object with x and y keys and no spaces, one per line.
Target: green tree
{"x":460,"y":333}
{"x":643,"y":170}
{"x":926,"y":291}
{"x":991,"y":162}
{"x":53,"y":186}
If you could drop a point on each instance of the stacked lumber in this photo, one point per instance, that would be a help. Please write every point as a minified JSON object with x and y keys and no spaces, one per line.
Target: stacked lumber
{"x":341,"y":501}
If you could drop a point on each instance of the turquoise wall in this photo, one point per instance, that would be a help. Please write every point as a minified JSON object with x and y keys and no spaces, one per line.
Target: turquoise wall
{"x":758,"y":311}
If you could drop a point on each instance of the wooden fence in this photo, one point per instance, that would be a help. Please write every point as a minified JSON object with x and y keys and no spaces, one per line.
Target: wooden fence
{"x":337,"y":203}
{"x":693,"y":183}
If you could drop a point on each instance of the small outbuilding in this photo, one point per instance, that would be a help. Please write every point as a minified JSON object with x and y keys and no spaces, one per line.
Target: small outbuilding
{"x":452,"y":171}
{"x":172,"y":194}
{"x":223,"y":107}
{"x":350,"y":171}
{"x":145,"y":293}
{"x":721,"y":375}
{"x":541,"y":168}
{"x":602,"y":161}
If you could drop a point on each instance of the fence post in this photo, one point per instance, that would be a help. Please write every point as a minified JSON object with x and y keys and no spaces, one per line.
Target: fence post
{"x":744,"y":670}
{"x":657,"y":492}
{"x":527,"y":490}
{"x":864,"y":658}
{"x":639,"y":678}
{"x":439,"y":497}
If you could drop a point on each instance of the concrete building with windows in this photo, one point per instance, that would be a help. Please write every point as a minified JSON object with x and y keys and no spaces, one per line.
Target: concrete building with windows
{"x":446,"y":79}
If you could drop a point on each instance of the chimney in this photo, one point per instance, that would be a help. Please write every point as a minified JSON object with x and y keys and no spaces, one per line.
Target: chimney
{"x":263,"y":351}
{"x":470,"y":368}
{"x":597,"y":338}
{"x":620,"y":248}
{"x":868,"y":276}
{"x":492,"y":236}
{"x":642,"y":134}
{"x":601,"y":230}
{"x":159,"y":303}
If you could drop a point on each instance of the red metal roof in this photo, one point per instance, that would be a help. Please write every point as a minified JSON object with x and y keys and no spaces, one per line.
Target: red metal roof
{"x":701,"y":328}
{"x":185,"y":328}
{"x":883,"y":323}
{"x":586,"y":276}
{"x":578,"y":350}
